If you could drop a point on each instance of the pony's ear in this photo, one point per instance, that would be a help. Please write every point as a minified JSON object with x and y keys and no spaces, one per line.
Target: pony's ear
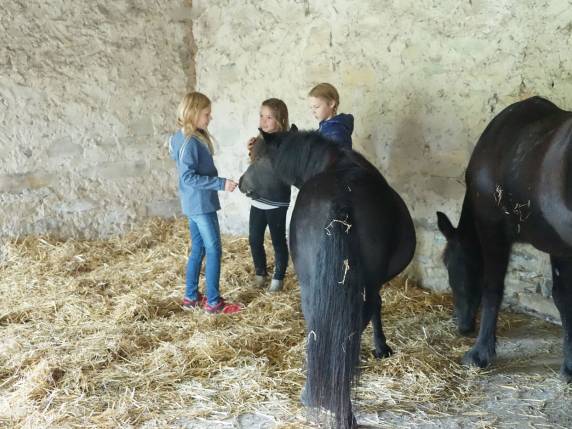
{"x":293,"y":127}
{"x":445,"y":225}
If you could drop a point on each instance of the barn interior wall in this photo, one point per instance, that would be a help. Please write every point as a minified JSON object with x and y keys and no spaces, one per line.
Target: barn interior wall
{"x":88,"y":94}
{"x":421,"y":78}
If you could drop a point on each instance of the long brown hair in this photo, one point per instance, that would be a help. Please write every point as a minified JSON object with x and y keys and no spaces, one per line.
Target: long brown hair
{"x":280,"y":112}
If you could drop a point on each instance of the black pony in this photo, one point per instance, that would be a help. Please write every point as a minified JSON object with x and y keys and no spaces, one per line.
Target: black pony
{"x":350,"y":232}
{"x":519,"y":189}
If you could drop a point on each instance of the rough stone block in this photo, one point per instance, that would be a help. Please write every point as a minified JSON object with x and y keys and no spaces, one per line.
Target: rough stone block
{"x":20,"y":182}
{"x":64,"y":148}
{"x":539,"y":305}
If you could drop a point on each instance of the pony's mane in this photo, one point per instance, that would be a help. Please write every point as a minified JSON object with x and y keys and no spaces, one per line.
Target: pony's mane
{"x":303,"y":154}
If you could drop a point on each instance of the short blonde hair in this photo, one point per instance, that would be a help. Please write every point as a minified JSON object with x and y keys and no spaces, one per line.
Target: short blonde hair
{"x":188,"y":113}
{"x":280,"y":112}
{"x":326,"y":91}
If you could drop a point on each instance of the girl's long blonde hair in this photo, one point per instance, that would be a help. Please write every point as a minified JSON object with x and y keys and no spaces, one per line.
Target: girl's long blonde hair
{"x":188,"y":113}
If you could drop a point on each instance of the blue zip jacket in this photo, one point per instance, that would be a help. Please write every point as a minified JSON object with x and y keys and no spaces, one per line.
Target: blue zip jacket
{"x":338,"y":129}
{"x":198,"y":176}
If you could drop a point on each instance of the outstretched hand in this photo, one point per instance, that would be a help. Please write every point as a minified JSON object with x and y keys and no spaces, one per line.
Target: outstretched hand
{"x":230,"y":185}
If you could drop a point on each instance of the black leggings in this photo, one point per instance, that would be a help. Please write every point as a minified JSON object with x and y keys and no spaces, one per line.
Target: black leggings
{"x":276,"y":221}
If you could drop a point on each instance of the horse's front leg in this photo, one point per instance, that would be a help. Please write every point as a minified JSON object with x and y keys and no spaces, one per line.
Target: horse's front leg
{"x":373,"y":307}
{"x":562,"y":294}
{"x":496,"y":252}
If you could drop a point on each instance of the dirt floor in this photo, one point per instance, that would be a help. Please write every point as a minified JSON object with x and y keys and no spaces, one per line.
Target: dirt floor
{"x":521,"y":390}
{"x":93,"y":336}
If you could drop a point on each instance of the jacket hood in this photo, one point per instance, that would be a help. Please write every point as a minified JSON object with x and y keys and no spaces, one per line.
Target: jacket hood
{"x":344,"y":119}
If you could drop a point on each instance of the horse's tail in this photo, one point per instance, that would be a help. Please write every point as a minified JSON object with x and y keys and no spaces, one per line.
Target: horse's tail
{"x":333,"y":308}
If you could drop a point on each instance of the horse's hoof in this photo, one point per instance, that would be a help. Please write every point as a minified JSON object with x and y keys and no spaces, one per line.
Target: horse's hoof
{"x":566,"y":372}
{"x":383,"y":353}
{"x":474,"y":358}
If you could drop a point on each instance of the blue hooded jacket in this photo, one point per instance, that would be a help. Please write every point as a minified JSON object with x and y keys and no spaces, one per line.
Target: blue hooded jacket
{"x":198,"y":176}
{"x":338,"y":129}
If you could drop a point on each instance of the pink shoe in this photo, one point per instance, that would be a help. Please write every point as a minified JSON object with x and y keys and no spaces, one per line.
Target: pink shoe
{"x":190,"y":304}
{"x":222,"y":307}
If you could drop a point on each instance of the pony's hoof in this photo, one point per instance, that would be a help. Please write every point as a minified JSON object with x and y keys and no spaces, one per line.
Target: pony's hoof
{"x":383,"y":353}
{"x":474,"y":358}
{"x":566,"y":372}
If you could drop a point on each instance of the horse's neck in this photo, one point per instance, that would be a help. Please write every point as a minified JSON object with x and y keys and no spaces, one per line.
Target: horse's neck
{"x":301,"y":164}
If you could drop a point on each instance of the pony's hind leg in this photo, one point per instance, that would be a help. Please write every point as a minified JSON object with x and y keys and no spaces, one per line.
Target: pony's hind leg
{"x":496,"y":252}
{"x":382,"y":350}
{"x":562,"y":294}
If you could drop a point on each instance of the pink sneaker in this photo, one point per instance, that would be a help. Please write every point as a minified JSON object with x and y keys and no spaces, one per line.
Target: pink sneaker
{"x":190,"y":304}
{"x":222,"y":307}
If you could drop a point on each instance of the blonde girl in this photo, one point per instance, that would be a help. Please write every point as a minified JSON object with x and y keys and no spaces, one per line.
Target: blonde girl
{"x":192,"y":149}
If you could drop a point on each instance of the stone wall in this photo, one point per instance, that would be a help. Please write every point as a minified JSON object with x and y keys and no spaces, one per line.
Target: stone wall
{"x":88,"y":91}
{"x":422,"y":79}
{"x":88,"y":94}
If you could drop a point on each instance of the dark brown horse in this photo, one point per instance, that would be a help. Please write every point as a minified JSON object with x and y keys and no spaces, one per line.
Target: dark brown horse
{"x":519,"y":189}
{"x":350,"y":232}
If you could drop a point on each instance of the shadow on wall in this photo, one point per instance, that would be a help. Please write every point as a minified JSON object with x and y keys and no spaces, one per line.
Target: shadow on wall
{"x":406,"y":154}
{"x":406,"y":150}
{"x":371,"y":142}
{"x":188,"y":56}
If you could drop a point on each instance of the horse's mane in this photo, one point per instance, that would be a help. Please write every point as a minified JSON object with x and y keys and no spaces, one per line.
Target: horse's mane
{"x":304,"y":154}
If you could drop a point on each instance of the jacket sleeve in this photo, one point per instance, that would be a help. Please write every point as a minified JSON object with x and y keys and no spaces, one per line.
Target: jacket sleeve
{"x":189,"y":167}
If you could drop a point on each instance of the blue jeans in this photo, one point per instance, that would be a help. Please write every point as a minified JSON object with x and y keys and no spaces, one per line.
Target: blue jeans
{"x":205,"y":241}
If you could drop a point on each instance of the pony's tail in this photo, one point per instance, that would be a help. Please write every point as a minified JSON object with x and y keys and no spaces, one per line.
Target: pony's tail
{"x":333,"y":308}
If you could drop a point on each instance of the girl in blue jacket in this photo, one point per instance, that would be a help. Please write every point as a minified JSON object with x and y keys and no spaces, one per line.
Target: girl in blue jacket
{"x":192,"y":149}
{"x":324,"y":101}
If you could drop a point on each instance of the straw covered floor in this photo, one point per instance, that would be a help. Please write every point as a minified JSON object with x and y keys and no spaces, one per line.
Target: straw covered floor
{"x":93,"y":335}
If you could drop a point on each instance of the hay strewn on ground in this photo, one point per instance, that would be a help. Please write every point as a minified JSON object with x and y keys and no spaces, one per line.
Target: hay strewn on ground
{"x":93,"y":336}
